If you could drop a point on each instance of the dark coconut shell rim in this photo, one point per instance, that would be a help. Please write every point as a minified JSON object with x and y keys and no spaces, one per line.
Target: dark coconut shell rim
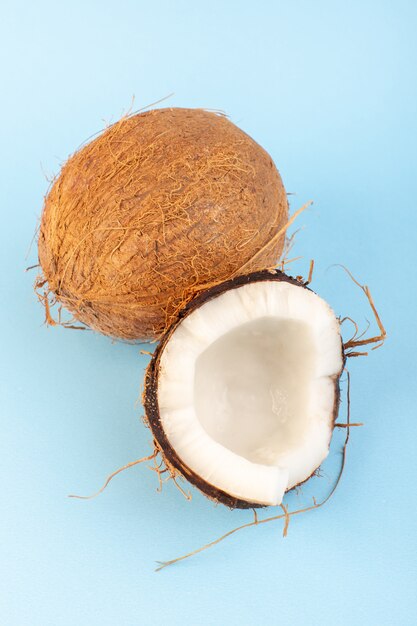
{"x":151,"y":386}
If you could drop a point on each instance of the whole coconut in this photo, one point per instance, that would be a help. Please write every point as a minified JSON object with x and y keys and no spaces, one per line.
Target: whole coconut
{"x":160,"y":205}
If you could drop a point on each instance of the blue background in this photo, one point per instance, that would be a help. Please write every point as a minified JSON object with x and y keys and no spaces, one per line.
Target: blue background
{"x":329,"y":88}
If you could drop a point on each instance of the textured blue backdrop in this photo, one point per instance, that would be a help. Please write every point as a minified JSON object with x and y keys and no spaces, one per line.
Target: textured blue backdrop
{"x":329,"y":88}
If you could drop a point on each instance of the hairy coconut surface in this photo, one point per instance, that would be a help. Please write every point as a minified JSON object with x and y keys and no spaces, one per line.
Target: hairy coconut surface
{"x":160,"y":205}
{"x":242,"y":393}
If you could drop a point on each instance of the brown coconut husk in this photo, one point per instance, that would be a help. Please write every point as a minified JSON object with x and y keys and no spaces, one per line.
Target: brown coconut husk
{"x":159,"y":205}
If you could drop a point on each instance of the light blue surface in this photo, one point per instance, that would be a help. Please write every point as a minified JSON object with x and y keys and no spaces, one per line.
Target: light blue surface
{"x":329,"y":88}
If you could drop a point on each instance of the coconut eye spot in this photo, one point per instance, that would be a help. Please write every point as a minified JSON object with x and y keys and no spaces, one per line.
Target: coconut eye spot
{"x":251,"y":388}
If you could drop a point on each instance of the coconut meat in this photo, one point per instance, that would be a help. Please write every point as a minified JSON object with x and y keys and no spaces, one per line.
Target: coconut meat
{"x":246,"y":388}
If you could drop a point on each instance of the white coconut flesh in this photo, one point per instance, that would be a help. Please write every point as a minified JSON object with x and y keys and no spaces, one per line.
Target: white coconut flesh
{"x":246,"y":388}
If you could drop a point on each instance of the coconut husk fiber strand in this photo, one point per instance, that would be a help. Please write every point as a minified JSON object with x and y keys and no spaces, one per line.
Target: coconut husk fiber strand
{"x":157,"y":206}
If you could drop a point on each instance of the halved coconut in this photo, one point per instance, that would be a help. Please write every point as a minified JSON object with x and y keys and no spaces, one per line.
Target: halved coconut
{"x":243,"y":391}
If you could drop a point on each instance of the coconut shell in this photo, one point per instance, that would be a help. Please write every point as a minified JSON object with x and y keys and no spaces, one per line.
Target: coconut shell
{"x":150,"y":396}
{"x":160,"y":205}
